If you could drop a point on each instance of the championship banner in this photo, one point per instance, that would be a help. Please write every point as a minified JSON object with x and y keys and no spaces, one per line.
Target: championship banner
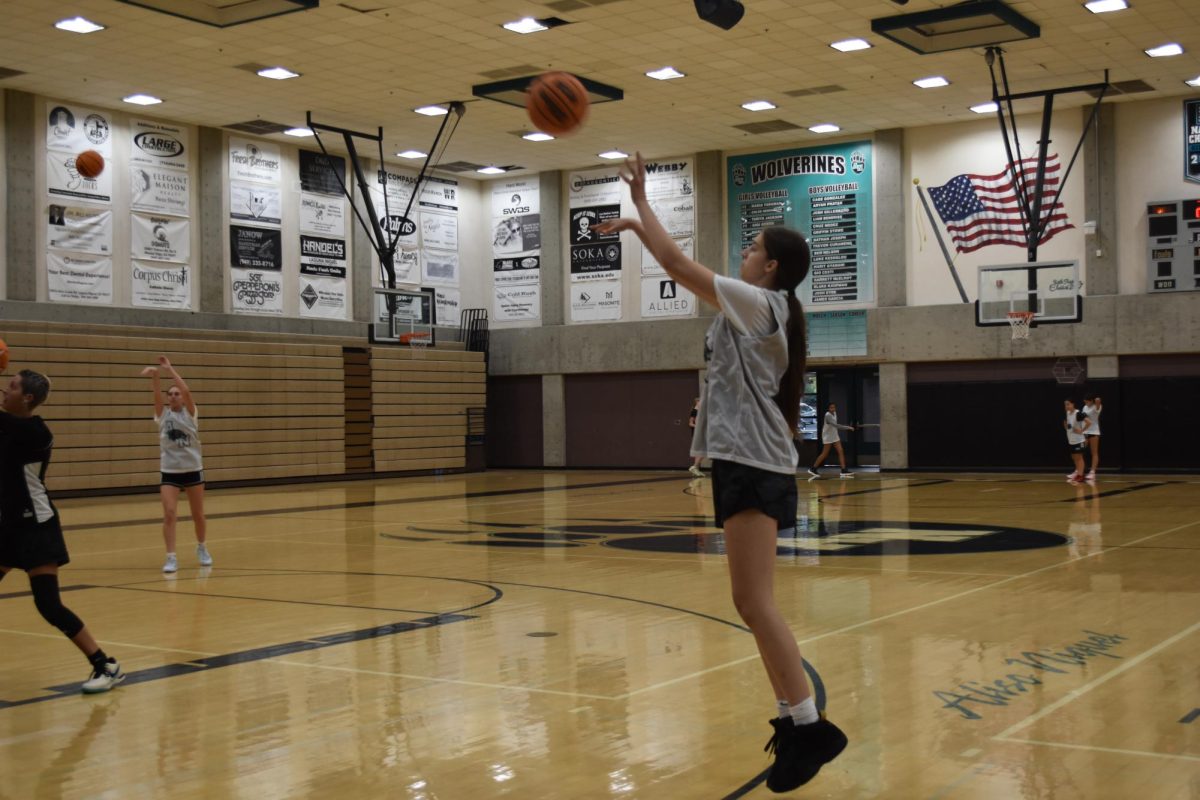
{"x":324,"y":252}
{"x":449,"y":305}
{"x":84,"y":230}
{"x":823,"y":192}
{"x":322,"y":291}
{"x":321,"y":173}
{"x":663,"y":297}
{"x":158,"y":286}
{"x":77,"y":278}
{"x":1191,"y":140}
{"x":439,"y":230}
{"x":439,"y":267}
{"x":256,"y":292}
{"x":161,"y":238}
{"x":164,"y":191}
{"x":73,"y":129}
{"x":255,"y":203}
{"x":254,"y":161}
{"x":63,"y":180}
{"x":157,"y":145}
{"x":517,"y":303}
{"x":255,"y":248}
{"x":322,"y":215}
{"x":596,"y":301}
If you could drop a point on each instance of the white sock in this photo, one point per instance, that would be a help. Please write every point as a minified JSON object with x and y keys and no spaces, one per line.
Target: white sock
{"x":170,"y":555}
{"x":783,"y":708}
{"x":804,"y":712}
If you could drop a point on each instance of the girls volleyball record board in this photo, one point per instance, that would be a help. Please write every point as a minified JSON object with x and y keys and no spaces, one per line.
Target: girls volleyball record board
{"x":826,"y":193}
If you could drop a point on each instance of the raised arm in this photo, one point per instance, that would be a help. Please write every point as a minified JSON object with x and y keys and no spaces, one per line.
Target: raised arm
{"x":692,"y":275}
{"x":152,"y":373}
{"x":188,"y":402}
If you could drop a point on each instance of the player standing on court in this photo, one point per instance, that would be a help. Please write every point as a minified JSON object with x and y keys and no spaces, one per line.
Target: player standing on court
{"x":750,"y":402}
{"x":1077,"y":424}
{"x":30,"y":534}
{"x":831,"y":438}
{"x":180,"y":463}
{"x":1092,"y":407}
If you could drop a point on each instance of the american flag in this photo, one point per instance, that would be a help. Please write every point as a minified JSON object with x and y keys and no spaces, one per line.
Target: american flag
{"x":980,"y":210}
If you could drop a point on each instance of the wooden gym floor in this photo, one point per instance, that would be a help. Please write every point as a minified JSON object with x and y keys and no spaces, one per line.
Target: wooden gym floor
{"x":570,"y":635}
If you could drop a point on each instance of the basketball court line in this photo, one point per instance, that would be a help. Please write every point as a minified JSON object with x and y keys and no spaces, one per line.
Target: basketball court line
{"x":1096,"y":749}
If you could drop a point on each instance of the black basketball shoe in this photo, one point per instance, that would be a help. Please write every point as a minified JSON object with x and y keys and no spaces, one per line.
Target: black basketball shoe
{"x":801,"y":751}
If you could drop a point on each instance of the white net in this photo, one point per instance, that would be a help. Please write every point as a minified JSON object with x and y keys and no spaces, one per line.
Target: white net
{"x":1020,"y":322}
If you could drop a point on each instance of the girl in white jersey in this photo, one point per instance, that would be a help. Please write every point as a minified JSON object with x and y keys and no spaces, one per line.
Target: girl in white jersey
{"x":830,"y":437}
{"x":1092,"y":407}
{"x":181,"y":464}
{"x":1076,"y":424}
{"x":748,"y":410}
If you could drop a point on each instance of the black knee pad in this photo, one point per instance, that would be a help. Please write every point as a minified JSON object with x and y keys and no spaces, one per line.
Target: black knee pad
{"x":49,"y":604}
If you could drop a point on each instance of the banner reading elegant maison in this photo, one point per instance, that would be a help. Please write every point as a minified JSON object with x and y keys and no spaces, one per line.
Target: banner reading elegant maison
{"x":824,"y":192}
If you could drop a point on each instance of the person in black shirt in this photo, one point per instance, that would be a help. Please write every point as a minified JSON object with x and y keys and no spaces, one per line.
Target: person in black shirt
{"x":30,"y":535}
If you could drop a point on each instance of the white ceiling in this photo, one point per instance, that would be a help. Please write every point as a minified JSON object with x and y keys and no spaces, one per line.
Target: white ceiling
{"x":367,"y":63}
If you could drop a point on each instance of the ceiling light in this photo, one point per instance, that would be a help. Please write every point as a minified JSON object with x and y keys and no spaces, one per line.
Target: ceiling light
{"x":759,"y":105}
{"x":850,"y":45}
{"x":431,"y":111}
{"x":526,"y":25}
{"x":537,"y":136}
{"x":1171,"y":49}
{"x":825,"y":127}
{"x":491,"y":170}
{"x":931,"y":83}
{"x":277,"y":73}
{"x":613,"y":154}
{"x":142,"y":99}
{"x":1194,"y":81}
{"x":412,"y":154}
{"x":78,"y":25}
{"x":985,"y":108}
{"x":298,"y":132}
{"x":664,"y":74}
{"x":1104,"y":6}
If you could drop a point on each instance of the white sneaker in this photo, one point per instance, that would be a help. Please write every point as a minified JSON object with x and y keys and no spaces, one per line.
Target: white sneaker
{"x":104,"y":679}
{"x":846,"y":475}
{"x":1091,"y":476}
{"x":171,"y":564}
{"x":696,"y":471}
{"x":813,"y":472}
{"x":203,"y":556}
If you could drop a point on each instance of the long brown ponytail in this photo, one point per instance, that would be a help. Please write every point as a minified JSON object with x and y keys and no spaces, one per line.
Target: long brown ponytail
{"x":790,"y":250}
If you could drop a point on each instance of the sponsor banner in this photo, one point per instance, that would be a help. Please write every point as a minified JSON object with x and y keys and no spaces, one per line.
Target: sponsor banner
{"x":517,"y":235}
{"x":322,"y":174}
{"x":255,"y":203}
{"x":323,"y":270}
{"x":322,"y":295}
{"x":449,"y":305}
{"x":582,"y":220}
{"x":394,"y":223}
{"x":78,"y":278}
{"x":663,"y":297}
{"x":322,"y":215}
{"x":85,"y":230}
{"x":73,"y":129}
{"x":255,"y":248}
{"x":509,"y":271}
{"x":157,"y":144}
{"x":398,"y":186}
{"x":256,"y":292}
{"x":439,"y":193}
{"x":596,"y":301}
{"x":164,"y":191}
{"x":652,"y":267}
{"x":439,"y":230}
{"x":596,"y":262}
{"x":439,"y":267}
{"x":517,"y":303}
{"x":159,"y":286}
{"x":677,"y":214}
{"x":407,"y":264}
{"x":254,"y":161}
{"x":670,"y":178}
{"x":63,"y":180}
{"x":161,"y":238}
{"x":326,"y":252}
{"x":594,"y":187}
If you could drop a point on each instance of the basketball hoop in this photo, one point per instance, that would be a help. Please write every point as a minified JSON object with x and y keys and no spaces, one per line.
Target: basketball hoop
{"x":1020,"y":322}
{"x":418,"y":341}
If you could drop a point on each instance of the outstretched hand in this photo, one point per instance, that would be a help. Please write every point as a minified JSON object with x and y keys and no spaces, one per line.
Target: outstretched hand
{"x":616,"y":225}
{"x":164,"y":362}
{"x":149,"y":372}
{"x":633,"y":172}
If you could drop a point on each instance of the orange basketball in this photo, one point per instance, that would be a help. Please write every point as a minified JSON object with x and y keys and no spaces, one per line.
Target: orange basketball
{"x":557,"y":103}
{"x":89,"y":163}
{"x":3,"y":356}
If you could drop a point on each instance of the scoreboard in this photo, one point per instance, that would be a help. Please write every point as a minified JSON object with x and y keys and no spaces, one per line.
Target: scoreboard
{"x":1173,"y":246}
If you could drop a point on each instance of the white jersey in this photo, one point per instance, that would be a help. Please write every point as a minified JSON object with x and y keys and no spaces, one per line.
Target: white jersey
{"x":179,"y":440}
{"x":1075,"y":419}
{"x":829,"y":431}
{"x":1093,"y":414}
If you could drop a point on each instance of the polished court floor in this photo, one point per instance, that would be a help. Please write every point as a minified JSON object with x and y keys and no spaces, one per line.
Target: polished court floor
{"x":570,"y":635}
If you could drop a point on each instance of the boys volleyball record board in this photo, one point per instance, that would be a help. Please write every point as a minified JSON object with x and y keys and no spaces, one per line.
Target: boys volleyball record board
{"x":824,"y":192}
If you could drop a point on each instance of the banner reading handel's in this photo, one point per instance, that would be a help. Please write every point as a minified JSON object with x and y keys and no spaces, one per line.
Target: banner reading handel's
{"x":826,"y":194}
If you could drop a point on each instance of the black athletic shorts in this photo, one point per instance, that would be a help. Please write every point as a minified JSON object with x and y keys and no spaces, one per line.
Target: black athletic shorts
{"x":1082,"y":447}
{"x":182,"y":480}
{"x":33,"y":544}
{"x":737,"y":487}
